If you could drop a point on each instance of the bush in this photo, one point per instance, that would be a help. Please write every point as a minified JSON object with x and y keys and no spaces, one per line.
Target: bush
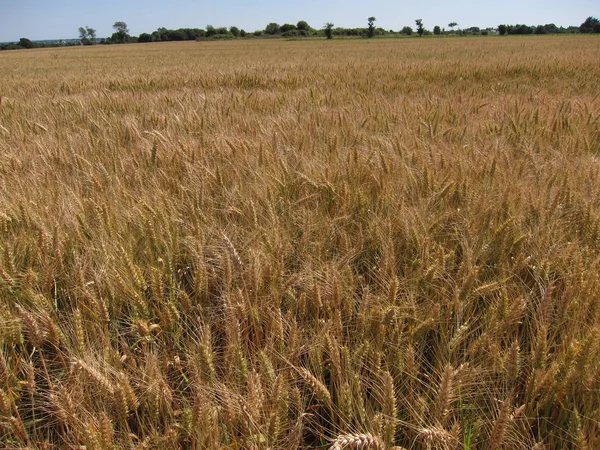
{"x":303,"y":26}
{"x":272,"y":28}
{"x":176,"y":35}
{"x":287,"y":27}
{"x":145,"y":37}
{"x":223,"y":36}
{"x":407,"y":31}
{"x":472,"y":30}
{"x":524,"y":29}
{"x":11,"y":46}
{"x":210,"y":31}
{"x":26,"y":43}
{"x":120,"y":37}
{"x":589,"y":26}
{"x":520,"y":29}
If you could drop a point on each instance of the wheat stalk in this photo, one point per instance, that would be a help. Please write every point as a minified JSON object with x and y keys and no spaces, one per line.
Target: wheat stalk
{"x":357,"y":441}
{"x":233,"y":252}
{"x":320,"y":390}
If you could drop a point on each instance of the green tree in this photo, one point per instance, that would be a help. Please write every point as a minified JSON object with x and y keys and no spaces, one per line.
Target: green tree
{"x":272,"y":28}
{"x":145,"y":37}
{"x":502,"y":29}
{"x":160,"y":34}
{"x":26,"y":43}
{"x":91,"y":34}
{"x":303,"y":26}
{"x":371,"y":29}
{"x":87,"y":35}
{"x":235,"y":31}
{"x":597,"y":28}
{"x":121,"y":26}
{"x":210,"y":31}
{"x":83,"y":36}
{"x":407,"y":31}
{"x":287,"y":27}
{"x":452,"y":25}
{"x":588,"y":25}
{"x":121,"y":34}
{"x":524,"y":29}
{"x":437,"y":30}
{"x":420,"y":28}
{"x":176,"y":35}
{"x":329,"y":30}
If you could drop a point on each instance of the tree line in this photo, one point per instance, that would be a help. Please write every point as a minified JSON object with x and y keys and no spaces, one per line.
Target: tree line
{"x":121,"y":35}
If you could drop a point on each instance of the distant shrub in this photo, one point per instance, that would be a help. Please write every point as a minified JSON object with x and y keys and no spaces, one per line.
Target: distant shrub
{"x":589,"y":26}
{"x":472,"y":30}
{"x":223,"y":36}
{"x":272,"y":28}
{"x":303,"y":26}
{"x":11,"y":46}
{"x":145,"y":37}
{"x":26,"y":43}
{"x":286,"y":27}
{"x":177,"y":35}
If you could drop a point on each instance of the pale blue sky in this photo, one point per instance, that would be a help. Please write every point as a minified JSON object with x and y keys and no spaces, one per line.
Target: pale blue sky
{"x":49,"y":19}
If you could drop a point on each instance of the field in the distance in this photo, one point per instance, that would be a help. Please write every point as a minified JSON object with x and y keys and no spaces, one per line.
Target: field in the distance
{"x":287,"y":244}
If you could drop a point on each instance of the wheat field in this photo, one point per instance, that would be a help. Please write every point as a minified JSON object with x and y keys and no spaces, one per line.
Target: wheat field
{"x":387,"y":244}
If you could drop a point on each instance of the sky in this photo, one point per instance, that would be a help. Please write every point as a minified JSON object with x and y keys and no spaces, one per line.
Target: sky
{"x":60,"y":19}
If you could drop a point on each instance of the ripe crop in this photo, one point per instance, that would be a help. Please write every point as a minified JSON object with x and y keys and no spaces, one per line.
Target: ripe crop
{"x":301,"y":244}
